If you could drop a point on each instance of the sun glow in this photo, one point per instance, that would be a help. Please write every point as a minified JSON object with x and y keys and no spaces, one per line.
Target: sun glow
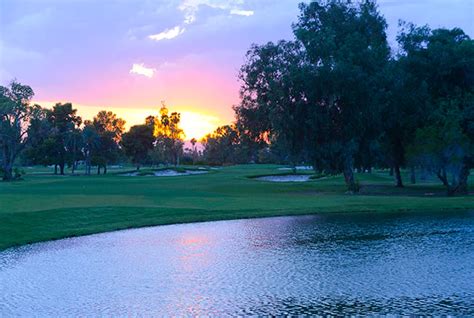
{"x":195,"y":124}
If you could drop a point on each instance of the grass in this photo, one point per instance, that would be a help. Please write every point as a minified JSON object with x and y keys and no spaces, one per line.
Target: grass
{"x":44,"y":207}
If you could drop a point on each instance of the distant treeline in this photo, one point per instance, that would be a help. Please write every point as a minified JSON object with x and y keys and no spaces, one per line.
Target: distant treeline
{"x":32,"y":135}
{"x":336,"y":97}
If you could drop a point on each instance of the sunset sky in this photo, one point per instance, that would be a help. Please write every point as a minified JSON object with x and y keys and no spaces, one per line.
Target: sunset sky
{"x":129,"y":55}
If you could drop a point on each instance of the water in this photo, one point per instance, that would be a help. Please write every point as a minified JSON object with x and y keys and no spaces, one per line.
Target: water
{"x":328,"y":264}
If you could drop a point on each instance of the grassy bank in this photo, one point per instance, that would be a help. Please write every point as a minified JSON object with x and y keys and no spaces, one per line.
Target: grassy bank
{"x":44,"y":207}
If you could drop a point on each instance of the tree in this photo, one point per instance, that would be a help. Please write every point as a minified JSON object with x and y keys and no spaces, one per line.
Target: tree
{"x":16,"y":116}
{"x":109,"y":128}
{"x":443,"y":60}
{"x":194,"y":151}
{"x":169,"y":135}
{"x":91,"y":141}
{"x":36,"y":153}
{"x":75,"y":145}
{"x":107,"y":121}
{"x":347,"y":48}
{"x":404,"y":109}
{"x":64,"y":125}
{"x":442,"y":146}
{"x":274,"y":103}
{"x":137,"y":143}
{"x":220,"y":146}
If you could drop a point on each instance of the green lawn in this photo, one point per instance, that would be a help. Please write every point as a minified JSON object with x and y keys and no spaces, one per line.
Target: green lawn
{"x":44,"y":207}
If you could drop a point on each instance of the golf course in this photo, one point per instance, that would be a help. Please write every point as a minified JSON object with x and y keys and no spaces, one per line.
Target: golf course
{"x":236,"y":158}
{"x":44,"y":206}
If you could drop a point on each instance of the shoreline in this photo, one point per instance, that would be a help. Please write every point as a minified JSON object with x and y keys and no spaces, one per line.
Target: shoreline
{"x":257,"y":215}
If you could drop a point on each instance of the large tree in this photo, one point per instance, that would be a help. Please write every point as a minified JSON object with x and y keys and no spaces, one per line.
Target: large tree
{"x":64,"y":127}
{"x":109,"y":128}
{"x":220,"y":147}
{"x":107,"y":121}
{"x":35,"y":152}
{"x":443,"y":61}
{"x":404,"y":109}
{"x":137,"y":143}
{"x":347,"y":47}
{"x":273,"y":104}
{"x":169,"y":135}
{"x":91,"y":143}
{"x":16,"y":115}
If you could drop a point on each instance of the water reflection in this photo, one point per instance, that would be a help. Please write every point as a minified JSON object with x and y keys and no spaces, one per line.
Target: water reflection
{"x":326,"y":264}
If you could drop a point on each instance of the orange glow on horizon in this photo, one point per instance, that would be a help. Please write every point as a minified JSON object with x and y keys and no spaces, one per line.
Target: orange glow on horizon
{"x":196,"y":124}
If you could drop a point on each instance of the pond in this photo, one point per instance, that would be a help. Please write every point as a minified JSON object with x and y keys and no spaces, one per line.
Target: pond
{"x":339,"y":264}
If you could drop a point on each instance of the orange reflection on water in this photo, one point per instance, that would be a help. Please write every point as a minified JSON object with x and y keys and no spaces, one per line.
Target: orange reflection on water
{"x":194,"y":241}
{"x":195,"y":256}
{"x":194,"y":251}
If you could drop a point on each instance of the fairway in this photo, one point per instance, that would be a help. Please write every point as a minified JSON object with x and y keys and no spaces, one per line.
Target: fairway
{"x":44,"y":206}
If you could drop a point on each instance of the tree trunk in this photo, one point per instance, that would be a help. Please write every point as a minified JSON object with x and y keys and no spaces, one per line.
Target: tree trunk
{"x":461,"y":187}
{"x":398,"y":177}
{"x":55,"y":169}
{"x":98,"y":169}
{"x":442,"y":176}
{"x":349,"y":178}
{"x":349,"y":174}
{"x":423,"y":174}
{"x":89,"y":165}
{"x":412,"y":175}
{"x":61,"y":169}
{"x":105,"y":169}
{"x":7,"y":172}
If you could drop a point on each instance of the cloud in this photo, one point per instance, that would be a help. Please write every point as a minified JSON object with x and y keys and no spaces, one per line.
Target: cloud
{"x":190,"y":10}
{"x":191,"y":7}
{"x":141,"y":69}
{"x":167,"y":34}
{"x":246,"y":13}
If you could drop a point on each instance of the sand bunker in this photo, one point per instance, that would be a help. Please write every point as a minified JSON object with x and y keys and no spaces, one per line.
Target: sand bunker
{"x":287,"y":178}
{"x":165,"y":173}
{"x":297,"y":168}
{"x":173,"y":173}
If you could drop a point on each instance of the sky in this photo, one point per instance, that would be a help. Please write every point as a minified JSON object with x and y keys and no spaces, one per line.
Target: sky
{"x":130,"y":55}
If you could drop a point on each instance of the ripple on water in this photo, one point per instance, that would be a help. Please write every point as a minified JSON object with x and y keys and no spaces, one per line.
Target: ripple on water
{"x":327,"y":264}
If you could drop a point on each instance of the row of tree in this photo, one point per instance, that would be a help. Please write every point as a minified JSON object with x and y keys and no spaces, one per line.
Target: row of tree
{"x":58,"y":137}
{"x":34,"y":135}
{"x":339,"y":98}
